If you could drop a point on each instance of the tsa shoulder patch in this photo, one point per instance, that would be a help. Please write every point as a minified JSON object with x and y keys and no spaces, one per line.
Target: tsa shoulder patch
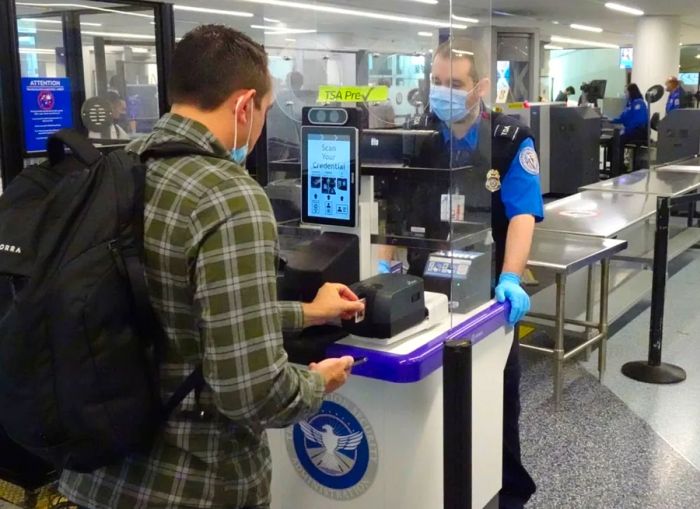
{"x":529,"y":161}
{"x":506,"y":131}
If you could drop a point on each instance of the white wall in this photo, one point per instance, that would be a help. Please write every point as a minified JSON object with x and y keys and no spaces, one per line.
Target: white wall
{"x":573,"y":67}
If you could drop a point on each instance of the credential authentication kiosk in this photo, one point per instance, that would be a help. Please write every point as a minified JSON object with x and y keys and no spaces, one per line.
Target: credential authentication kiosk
{"x":419,"y":423}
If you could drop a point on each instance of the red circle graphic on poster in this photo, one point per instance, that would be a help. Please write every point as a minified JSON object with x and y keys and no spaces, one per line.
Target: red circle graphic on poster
{"x":46,"y":100}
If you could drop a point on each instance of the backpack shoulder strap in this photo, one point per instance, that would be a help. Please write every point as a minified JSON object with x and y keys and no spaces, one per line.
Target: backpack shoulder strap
{"x":78,"y":144}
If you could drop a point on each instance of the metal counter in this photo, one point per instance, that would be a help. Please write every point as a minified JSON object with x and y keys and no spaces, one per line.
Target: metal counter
{"x":654,"y":182}
{"x":691,"y":164}
{"x":596,"y":213}
{"x":565,"y":254}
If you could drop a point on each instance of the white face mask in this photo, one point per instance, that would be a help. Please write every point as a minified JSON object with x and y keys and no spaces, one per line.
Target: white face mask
{"x":239,"y":155}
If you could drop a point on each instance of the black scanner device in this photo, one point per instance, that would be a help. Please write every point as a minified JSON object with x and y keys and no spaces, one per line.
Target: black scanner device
{"x":393,"y":304}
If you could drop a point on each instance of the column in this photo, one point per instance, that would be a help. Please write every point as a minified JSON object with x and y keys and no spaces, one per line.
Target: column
{"x":657,"y":53}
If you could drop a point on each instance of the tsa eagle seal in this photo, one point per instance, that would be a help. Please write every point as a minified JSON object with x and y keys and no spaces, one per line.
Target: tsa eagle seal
{"x":335,"y":451}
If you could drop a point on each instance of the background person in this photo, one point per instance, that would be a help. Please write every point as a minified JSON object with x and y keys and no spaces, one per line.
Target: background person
{"x":210,"y":253}
{"x":565,"y":94}
{"x":676,"y":94}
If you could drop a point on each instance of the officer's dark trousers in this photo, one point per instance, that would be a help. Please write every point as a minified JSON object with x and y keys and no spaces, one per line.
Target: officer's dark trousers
{"x":518,"y":486}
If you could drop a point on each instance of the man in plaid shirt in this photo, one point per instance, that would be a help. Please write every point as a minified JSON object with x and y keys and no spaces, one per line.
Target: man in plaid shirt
{"x":211,"y":246}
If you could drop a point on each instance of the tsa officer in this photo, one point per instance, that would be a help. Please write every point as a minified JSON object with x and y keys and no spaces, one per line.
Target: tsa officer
{"x":676,"y":94}
{"x":503,"y":152}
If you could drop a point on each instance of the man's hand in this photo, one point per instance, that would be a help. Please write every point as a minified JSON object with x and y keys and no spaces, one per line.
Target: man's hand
{"x":332,"y":301}
{"x":335,"y":372}
{"x":509,"y":289}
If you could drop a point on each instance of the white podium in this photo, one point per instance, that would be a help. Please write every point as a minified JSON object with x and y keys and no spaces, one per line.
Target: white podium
{"x":378,"y":442}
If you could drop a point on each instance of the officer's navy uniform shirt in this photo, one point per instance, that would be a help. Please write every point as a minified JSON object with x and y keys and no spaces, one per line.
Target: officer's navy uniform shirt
{"x":635,"y":116}
{"x":674,"y":100}
{"x":520,"y":187}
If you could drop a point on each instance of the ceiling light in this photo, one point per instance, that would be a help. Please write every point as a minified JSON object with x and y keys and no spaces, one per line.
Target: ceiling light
{"x":207,"y":10}
{"x":462,"y":52}
{"x":332,"y":9}
{"x":586,"y":28}
{"x":37,"y":51}
{"x":270,"y":20}
{"x":555,"y":22}
{"x":431,"y":2}
{"x":57,"y":22}
{"x":552,"y":47}
{"x":83,"y":6}
{"x":122,"y":35}
{"x":624,"y":8}
{"x":697,"y":56}
{"x":425,"y":34}
{"x":595,"y":44}
{"x":291,"y":40}
{"x":466,"y":20}
{"x":141,"y":51}
{"x":283,"y":31}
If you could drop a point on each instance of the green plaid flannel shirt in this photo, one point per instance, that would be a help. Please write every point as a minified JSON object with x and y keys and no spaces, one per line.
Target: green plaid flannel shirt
{"x":211,"y":249}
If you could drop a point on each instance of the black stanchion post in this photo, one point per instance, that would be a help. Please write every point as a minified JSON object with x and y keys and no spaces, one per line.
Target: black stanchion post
{"x":653,"y":370}
{"x":457,"y":424}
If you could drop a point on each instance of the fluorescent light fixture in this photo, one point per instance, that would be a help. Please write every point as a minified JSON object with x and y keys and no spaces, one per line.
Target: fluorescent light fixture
{"x":283,"y":31}
{"x":207,"y":10}
{"x":555,"y":22}
{"x":425,"y":34}
{"x":57,"y":22}
{"x":37,"y":51}
{"x":290,"y":40}
{"x":552,"y":47}
{"x":141,"y":51}
{"x":83,"y":6}
{"x":270,"y":20}
{"x":332,"y":9}
{"x":624,"y":8}
{"x":581,"y":42}
{"x":466,"y":20}
{"x":430,"y":2}
{"x":123,"y":35}
{"x":697,"y":56}
{"x":462,"y":52}
{"x":586,"y":28}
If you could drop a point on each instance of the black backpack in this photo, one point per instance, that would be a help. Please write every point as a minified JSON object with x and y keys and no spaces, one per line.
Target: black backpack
{"x":80,"y":343}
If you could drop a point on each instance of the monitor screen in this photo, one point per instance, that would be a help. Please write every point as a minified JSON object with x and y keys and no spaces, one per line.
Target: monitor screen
{"x":329,"y":192}
{"x":626,"y":58}
{"x":689,"y":78}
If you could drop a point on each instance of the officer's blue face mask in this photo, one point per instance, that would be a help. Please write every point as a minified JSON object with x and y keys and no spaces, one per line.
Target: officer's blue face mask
{"x":239,"y":155}
{"x":448,"y":104}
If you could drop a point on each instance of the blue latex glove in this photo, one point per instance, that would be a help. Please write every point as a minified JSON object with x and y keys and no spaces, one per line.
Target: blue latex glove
{"x":509,"y":289}
{"x":384,"y":267}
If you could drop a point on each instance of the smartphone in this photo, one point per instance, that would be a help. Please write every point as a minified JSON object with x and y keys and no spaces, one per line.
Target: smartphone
{"x":358,"y":361}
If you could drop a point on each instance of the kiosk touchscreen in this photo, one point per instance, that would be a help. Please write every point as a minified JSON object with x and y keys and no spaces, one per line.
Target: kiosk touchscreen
{"x":329,"y":166}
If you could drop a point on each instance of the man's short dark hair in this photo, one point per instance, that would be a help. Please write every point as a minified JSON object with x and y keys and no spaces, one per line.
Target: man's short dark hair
{"x":213,"y":61}
{"x":570,"y":90}
{"x":114,"y":98}
{"x":460,"y":48}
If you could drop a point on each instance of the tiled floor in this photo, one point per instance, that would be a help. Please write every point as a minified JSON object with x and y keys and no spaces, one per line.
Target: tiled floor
{"x":622,"y":444}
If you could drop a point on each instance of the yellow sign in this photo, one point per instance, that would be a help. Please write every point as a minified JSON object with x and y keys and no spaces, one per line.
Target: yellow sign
{"x":332,"y":93}
{"x":517,"y":106}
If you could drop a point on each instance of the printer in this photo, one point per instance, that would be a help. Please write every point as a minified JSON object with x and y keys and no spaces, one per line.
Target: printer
{"x":396,"y":307}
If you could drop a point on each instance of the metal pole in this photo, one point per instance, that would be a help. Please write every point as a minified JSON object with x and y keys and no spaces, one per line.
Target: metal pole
{"x":559,"y":339}
{"x":653,"y":370}
{"x":164,"y":19}
{"x":603,"y":325}
{"x":589,"y":308}
{"x":75,"y":69}
{"x":457,"y":424}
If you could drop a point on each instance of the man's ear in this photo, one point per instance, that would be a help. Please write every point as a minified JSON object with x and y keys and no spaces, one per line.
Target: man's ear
{"x":483,"y":88}
{"x":241,"y":99}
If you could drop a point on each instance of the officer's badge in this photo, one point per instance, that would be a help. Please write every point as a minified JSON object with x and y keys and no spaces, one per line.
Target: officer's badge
{"x":493,"y":181}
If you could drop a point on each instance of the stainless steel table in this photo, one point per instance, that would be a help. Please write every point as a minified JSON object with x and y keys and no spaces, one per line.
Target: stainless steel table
{"x":691,"y":164}
{"x":596,"y":213}
{"x":565,"y":254}
{"x":661,"y":182}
